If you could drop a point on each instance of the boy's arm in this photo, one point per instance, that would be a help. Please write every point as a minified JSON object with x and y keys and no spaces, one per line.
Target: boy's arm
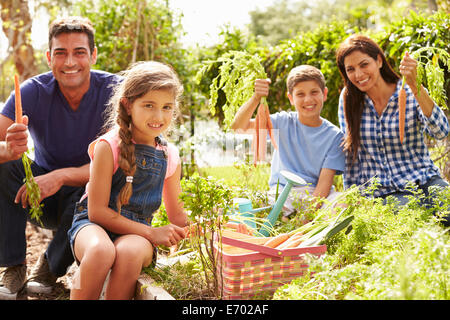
{"x":243,"y":118}
{"x":324,"y":184}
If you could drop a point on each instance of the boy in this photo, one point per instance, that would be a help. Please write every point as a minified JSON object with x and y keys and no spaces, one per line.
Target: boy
{"x":308,"y":145}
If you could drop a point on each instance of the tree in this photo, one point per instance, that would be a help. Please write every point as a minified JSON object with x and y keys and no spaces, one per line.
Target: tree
{"x":16,"y":25}
{"x":285,"y":18}
{"x":132,"y":30}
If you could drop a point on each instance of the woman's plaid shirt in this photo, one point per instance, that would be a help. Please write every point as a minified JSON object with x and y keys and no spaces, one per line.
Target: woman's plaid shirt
{"x":381,"y":154}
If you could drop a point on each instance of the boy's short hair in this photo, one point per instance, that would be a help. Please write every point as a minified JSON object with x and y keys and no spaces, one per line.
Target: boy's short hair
{"x":304,"y":73}
{"x":69,"y":25}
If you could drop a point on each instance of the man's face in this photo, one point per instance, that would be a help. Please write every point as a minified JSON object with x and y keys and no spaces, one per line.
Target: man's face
{"x":70,"y":61}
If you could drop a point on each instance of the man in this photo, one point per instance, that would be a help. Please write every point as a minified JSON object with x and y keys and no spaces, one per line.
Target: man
{"x":63,"y":111}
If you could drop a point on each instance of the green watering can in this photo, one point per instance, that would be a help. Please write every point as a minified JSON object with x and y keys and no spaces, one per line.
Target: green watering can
{"x":246,"y":210}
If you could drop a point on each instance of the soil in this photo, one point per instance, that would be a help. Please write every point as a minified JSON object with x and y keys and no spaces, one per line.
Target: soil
{"x":37,"y":242}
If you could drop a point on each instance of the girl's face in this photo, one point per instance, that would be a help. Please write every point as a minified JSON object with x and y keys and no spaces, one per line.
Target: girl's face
{"x":151,"y":115}
{"x":362,"y":70}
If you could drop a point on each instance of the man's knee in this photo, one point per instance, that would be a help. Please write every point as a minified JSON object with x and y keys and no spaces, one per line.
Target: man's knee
{"x":11,"y":177}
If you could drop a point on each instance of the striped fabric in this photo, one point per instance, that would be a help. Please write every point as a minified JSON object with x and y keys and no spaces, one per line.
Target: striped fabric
{"x":255,"y":274}
{"x":381,"y":154}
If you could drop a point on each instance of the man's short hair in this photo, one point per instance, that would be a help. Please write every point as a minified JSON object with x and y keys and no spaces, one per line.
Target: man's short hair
{"x":304,"y":73}
{"x":69,"y":25}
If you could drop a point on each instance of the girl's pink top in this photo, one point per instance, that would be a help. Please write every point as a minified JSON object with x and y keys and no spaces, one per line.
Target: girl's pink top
{"x":112,"y":138}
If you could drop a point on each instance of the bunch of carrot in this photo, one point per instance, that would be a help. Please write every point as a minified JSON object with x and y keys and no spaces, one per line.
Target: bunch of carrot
{"x":263,"y":125}
{"x":402,"y":110}
{"x":18,"y":99}
{"x":196,"y":229}
{"x":313,"y":233}
{"x":33,"y":191}
{"x":285,"y":241}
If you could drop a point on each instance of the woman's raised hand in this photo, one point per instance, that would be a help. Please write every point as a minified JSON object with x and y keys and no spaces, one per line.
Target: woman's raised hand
{"x":408,"y":69}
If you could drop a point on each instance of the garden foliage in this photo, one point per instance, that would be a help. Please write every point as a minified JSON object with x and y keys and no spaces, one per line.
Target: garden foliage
{"x":207,"y":201}
{"x":386,"y":253}
{"x":318,"y":47}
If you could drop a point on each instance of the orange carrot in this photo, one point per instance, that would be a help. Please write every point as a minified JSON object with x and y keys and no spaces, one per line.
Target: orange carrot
{"x":18,"y":100}
{"x":192,"y":230}
{"x":402,"y":111}
{"x":276,"y":241}
{"x":262,"y":133}
{"x":270,"y":127}
{"x":256,"y":140}
{"x":242,"y":228}
{"x":294,"y":243}
{"x":289,"y":242}
{"x":239,"y":227}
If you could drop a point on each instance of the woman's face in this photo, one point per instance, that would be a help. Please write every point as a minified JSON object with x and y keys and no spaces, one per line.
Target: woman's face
{"x":362,"y":70}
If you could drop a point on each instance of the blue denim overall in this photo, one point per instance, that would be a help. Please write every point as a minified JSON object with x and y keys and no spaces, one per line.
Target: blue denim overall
{"x":148,"y":181}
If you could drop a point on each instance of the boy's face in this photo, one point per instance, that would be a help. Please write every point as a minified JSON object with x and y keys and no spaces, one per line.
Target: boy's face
{"x":307,"y":97}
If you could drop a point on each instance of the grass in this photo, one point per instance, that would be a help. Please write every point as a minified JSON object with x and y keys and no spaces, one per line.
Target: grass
{"x":241,"y":175}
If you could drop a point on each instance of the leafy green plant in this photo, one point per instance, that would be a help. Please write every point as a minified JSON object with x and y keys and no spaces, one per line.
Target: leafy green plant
{"x":183,"y":280}
{"x":33,"y":191}
{"x":414,"y":33}
{"x":160,"y":217}
{"x":207,"y":201}
{"x":389,"y":252}
{"x":238,"y":71}
{"x":246,"y":176}
{"x":430,"y":74}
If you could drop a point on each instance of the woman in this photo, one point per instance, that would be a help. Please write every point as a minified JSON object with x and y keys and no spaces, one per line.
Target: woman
{"x":369,"y":118}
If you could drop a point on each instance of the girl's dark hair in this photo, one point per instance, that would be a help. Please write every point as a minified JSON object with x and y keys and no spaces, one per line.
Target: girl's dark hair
{"x":353,"y":97}
{"x":138,"y":79}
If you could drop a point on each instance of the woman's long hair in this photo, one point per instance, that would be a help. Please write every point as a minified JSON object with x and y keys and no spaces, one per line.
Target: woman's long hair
{"x":139,"y":79}
{"x":353,"y":97}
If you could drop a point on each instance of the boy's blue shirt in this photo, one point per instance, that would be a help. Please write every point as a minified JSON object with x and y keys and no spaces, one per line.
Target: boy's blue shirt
{"x":61,"y":136}
{"x":305,"y":150}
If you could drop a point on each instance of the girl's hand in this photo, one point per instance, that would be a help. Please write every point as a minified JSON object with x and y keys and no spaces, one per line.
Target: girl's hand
{"x":408,"y":69}
{"x":168,"y":235}
{"x":262,"y":88}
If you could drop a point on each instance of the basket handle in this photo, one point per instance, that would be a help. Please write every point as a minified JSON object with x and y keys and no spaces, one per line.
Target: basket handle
{"x":251,"y":246}
{"x":320,"y":249}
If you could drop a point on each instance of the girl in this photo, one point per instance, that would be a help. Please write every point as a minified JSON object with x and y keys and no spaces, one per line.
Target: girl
{"x":131,"y":168}
{"x":368,"y":115}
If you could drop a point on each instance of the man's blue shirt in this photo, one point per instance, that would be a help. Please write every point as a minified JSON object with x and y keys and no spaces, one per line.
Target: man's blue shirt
{"x":61,"y":136}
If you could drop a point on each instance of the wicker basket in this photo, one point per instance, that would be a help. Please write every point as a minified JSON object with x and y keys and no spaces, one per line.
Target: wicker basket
{"x":249,"y":269}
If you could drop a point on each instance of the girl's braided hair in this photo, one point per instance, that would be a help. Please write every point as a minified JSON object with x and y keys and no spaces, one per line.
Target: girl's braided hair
{"x":138,"y":80}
